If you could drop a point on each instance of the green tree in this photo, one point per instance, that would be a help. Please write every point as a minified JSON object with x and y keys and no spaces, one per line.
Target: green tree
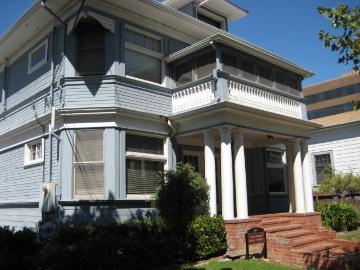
{"x":347,"y":21}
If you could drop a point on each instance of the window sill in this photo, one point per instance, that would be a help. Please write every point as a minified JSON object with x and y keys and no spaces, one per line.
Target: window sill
{"x":145,"y":197}
{"x":29,"y":164}
{"x":144,"y":81}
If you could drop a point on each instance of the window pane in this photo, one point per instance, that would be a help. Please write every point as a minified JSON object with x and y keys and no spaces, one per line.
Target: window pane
{"x":322,"y":166}
{"x":183,"y":73}
{"x":248,"y":68}
{"x":90,"y":47}
{"x":142,"y":66}
{"x":293,"y":83}
{"x":205,"y":65}
{"x":88,"y":145}
{"x":143,"y":40}
{"x":265,"y":75}
{"x":276,"y":181}
{"x":89,"y":180}
{"x":143,"y":176}
{"x":151,"y":145}
{"x":230,"y":64}
{"x":38,"y":55}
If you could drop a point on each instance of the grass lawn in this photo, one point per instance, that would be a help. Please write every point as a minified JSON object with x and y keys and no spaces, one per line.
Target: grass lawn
{"x":241,"y":265}
{"x":352,"y":236}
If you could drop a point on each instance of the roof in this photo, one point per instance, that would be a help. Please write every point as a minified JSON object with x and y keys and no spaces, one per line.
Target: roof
{"x":338,"y":119}
{"x":243,"y":45}
{"x":36,"y":18}
{"x":224,"y":7}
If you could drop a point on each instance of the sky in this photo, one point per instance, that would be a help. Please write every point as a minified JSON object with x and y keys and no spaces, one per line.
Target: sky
{"x":288,"y":28}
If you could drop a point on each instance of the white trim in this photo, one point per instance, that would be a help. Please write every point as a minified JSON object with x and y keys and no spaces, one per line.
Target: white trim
{"x":145,"y":156}
{"x":31,"y":69}
{"x":27,"y":161}
{"x":139,"y":196}
{"x":90,"y":125}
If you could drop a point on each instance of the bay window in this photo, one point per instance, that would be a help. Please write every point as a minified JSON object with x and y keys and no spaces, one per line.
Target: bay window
{"x":144,"y":161}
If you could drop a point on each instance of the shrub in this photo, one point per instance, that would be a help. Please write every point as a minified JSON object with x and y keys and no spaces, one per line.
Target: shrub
{"x":207,"y":237}
{"x":340,"y":184}
{"x":18,"y":249}
{"x":340,"y":216}
{"x":182,"y":196}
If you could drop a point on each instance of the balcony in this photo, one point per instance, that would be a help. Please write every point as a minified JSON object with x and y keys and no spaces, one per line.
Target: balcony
{"x":238,"y":91}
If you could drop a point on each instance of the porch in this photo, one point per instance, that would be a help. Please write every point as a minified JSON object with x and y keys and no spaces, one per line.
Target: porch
{"x":249,"y":171}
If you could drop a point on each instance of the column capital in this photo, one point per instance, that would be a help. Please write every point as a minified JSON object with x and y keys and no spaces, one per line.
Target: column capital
{"x":238,"y":130}
{"x":208,"y":131}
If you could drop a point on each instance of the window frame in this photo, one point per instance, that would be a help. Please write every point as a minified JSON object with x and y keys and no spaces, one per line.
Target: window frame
{"x":314,"y":154}
{"x":28,"y":162}
{"x":31,"y":69}
{"x":270,"y":165}
{"x":142,"y":156}
{"x":141,"y":50}
{"x":74,"y":162}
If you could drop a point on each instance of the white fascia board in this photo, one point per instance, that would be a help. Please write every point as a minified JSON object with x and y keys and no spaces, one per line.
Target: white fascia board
{"x":245,"y":46}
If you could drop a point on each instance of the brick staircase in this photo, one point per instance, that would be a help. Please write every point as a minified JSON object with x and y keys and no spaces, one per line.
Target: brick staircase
{"x":298,"y":240}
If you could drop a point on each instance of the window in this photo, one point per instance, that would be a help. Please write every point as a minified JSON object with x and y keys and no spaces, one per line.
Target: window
{"x":38,"y":56}
{"x":144,"y":161}
{"x":275,"y":171}
{"x":293,"y":82}
{"x":183,"y":73}
{"x":248,"y":69}
{"x":205,"y":64}
{"x":143,"y":56}
{"x":90,"y":51}
{"x":323,"y":165}
{"x":230,"y":64}
{"x":209,"y":20}
{"x":34,"y":152}
{"x":265,"y":75}
{"x":280,"y":79}
{"x":88,"y":164}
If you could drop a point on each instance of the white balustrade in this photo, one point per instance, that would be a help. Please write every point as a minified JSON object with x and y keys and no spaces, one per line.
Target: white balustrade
{"x":250,"y":96}
{"x":193,"y":97}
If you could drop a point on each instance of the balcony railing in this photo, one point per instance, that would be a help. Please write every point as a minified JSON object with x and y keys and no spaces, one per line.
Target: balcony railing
{"x":237,"y":91}
{"x":193,"y":96}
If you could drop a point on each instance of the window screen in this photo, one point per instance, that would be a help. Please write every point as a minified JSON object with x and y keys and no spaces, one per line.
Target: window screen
{"x":265,"y":75}
{"x":151,"y":145}
{"x":90,"y":53}
{"x":322,"y":166}
{"x":230,"y":64}
{"x":88,"y":164}
{"x":248,"y":69}
{"x":205,"y":65}
{"x":293,"y":82}
{"x":183,"y":73}
{"x":280,"y":79}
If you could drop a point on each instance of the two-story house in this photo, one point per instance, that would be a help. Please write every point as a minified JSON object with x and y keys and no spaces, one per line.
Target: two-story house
{"x":98,"y":96}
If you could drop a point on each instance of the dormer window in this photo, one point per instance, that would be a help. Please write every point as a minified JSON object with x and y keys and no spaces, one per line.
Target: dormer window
{"x":209,"y":20}
{"x":90,"y":49}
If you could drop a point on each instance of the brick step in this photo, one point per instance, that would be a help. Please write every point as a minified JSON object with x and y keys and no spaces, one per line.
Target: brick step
{"x":276,"y":229}
{"x":275,"y":221}
{"x":305,"y":240}
{"x":295,"y":233}
{"x":316,"y":247}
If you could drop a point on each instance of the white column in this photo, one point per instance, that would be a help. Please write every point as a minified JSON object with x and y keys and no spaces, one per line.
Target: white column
{"x":240,"y":175}
{"x":290,"y":175}
{"x":308,"y":197}
{"x":298,"y":179}
{"x":227,"y":190}
{"x":210,"y":169}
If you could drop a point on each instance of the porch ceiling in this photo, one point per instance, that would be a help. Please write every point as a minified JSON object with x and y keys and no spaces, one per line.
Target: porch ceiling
{"x":226,"y":113}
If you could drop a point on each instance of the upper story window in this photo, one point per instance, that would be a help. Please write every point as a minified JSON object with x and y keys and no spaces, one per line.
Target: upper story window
{"x":34,"y":152}
{"x":38,"y":56}
{"x":195,"y":68}
{"x":90,"y":49}
{"x":248,"y":69}
{"x":265,"y":75}
{"x":209,"y":20}
{"x":230,"y":64}
{"x":143,"y":55}
{"x":88,"y":164}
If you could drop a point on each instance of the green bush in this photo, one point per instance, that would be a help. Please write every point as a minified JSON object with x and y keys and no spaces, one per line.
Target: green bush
{"x":340,"y":217}
{"x":182,"y":196}
{"x":207,"y":237}
{"x":340,"y":184}
{"x":18,"y":249}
